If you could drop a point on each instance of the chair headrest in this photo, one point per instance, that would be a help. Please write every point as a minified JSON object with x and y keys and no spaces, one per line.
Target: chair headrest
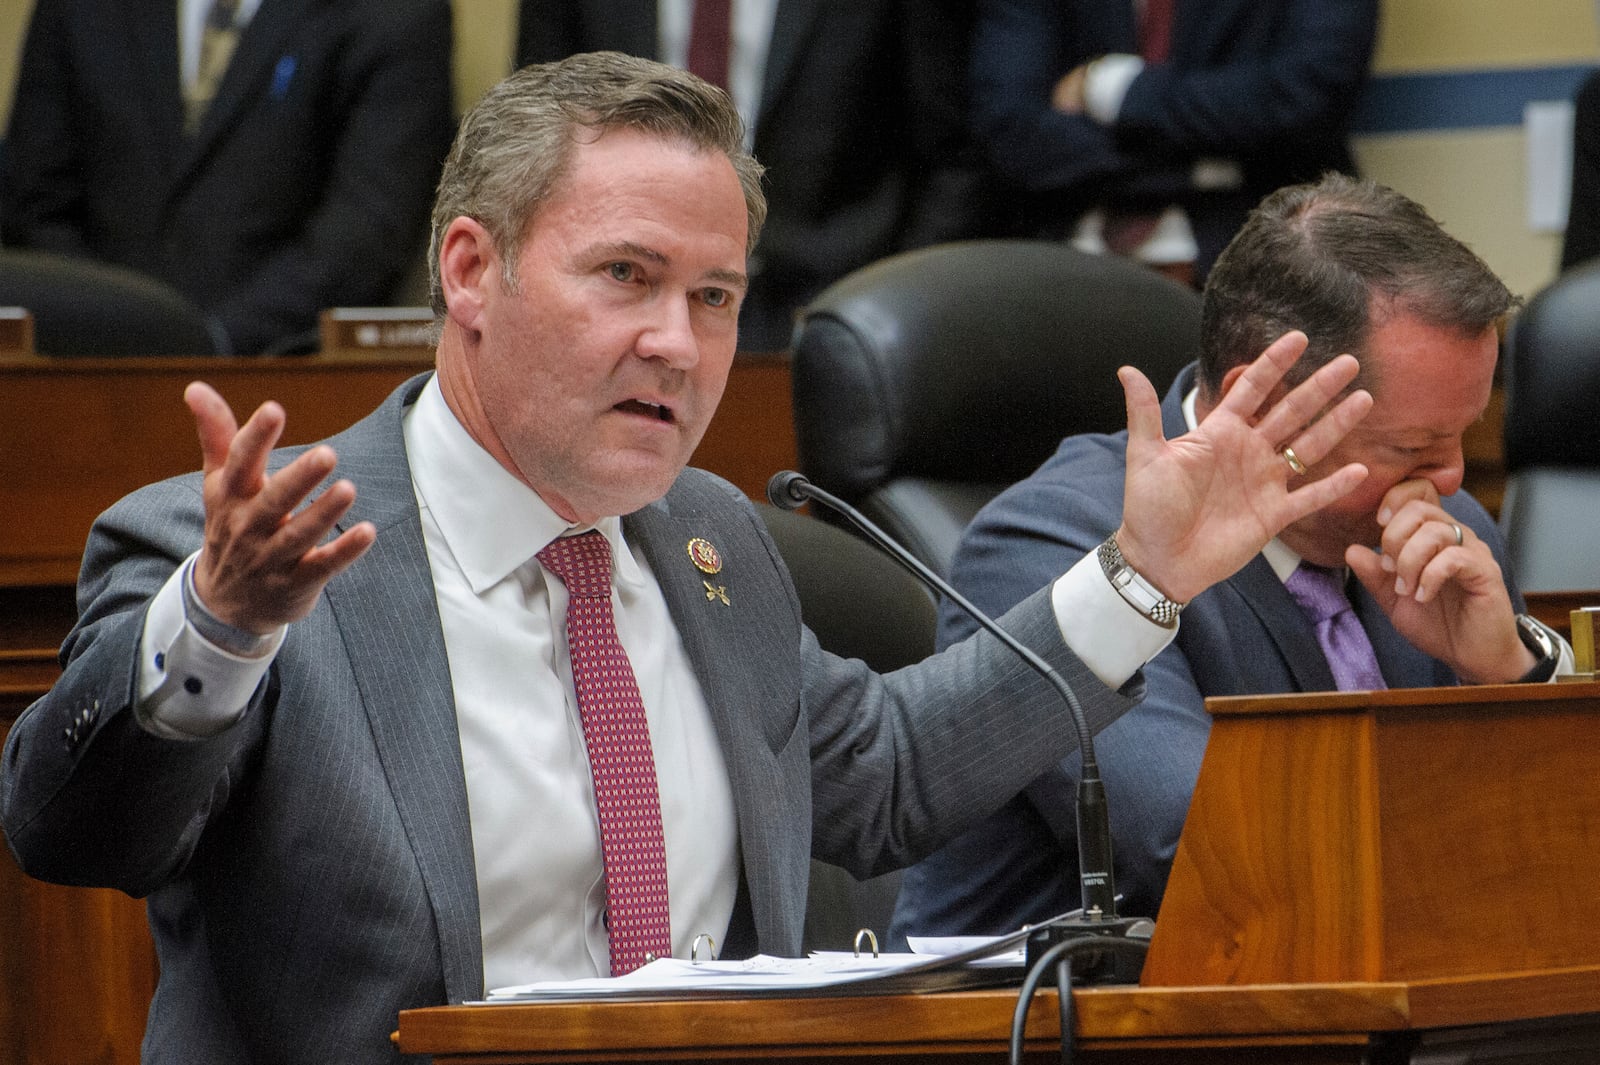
{"x":970,"y":361}
{"x":83,"y":307}
{"x":1553,"y":374}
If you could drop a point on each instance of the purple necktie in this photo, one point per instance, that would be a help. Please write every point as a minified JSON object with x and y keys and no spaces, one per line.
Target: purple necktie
{"x":620,"y":759}
{"x":1320,"y":593}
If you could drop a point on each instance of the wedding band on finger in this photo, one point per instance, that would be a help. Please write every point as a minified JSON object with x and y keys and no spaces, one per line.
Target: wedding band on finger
{"x":1460,"y":539}
{"x":1292,"y":459}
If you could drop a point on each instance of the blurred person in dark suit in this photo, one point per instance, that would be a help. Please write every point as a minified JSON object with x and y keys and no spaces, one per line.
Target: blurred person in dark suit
{"x":856,"y":109}
{"x":1582,"y":241}
{"x":1151,"y":127}
{"x":267,"y":158}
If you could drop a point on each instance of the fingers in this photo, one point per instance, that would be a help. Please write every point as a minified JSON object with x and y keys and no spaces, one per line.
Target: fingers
{"x":1424,"y":548}
{"x":1143,"y":406}
{"x":1309,"y":498}
{"x":1367,"y":565}
{"x":214,"y":421}
{"x":1308,"y":400}
{"x":1313,"y":445}
{"x":1253,"y":387}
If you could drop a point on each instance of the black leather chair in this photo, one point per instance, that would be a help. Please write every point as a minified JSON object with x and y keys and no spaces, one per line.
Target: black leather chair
{"x":927,"y":382}
{"x":861,"y":604}
{"x":1552,"y":500}
{"x":88,"y":308}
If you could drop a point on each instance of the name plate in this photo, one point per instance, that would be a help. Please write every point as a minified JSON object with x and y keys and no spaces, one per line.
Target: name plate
{"x":1583,"y":640}
{"x":16,"y":331}
{"x":378,"y":330}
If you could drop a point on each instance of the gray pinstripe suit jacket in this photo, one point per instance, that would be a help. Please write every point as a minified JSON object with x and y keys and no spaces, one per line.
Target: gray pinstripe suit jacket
{"x":310,"y":870}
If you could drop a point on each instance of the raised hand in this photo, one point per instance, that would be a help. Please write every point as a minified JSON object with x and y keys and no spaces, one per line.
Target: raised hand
{"x":263,"y":563}
{"x":1197,"y":508}
{"x":1441,"y":587}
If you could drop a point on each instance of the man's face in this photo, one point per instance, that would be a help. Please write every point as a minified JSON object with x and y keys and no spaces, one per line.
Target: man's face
{"x":599,"y":376}
{"x":1430,"y":385}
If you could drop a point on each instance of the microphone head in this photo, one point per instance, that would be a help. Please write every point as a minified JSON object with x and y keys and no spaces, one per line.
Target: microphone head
{"x":787,"y":490}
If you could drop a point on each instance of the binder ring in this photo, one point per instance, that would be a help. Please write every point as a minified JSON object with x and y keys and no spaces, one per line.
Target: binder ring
{"x":694,"y":948}
{"x":872,"y":939}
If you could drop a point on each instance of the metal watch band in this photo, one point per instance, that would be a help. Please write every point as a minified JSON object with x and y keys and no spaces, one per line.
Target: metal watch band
{"x":1139,"y":593}
{"x":1537,"y":638}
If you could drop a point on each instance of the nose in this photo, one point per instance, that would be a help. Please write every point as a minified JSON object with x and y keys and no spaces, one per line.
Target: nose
{"x":1448,"y":470}
{"x":669,"y":335}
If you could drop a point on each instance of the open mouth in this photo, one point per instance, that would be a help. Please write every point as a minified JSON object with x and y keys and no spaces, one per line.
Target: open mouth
{"x":646,"y":410}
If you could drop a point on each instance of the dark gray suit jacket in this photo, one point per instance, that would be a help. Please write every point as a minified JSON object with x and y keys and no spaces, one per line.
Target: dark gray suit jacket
{"x":306,"y":185}
{"x":862,"y":128}
{"x":310,"y":870}
{"x":1244,"y":636}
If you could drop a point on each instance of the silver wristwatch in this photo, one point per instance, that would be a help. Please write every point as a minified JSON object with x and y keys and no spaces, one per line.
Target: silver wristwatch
{"x":1143,"y":596}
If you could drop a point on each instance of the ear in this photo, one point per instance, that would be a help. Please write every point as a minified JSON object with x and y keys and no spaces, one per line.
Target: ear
{"x":468,"y":266}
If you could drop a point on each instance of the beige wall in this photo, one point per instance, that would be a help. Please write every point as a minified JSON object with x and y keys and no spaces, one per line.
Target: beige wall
{"x":1475,"y":180}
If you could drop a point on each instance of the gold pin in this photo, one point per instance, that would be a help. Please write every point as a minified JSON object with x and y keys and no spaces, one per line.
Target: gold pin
{"x":704,"y":556}
{"x":716,"y":591}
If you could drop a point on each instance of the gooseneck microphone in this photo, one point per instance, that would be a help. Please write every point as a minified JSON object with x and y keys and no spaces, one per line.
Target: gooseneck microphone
{"x":788,"y":490}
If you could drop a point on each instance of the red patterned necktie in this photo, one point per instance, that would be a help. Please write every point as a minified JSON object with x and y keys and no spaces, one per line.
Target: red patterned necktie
{"x":710,"y":38}
{"x":1320,"y":593}
{"x":620,"y":760}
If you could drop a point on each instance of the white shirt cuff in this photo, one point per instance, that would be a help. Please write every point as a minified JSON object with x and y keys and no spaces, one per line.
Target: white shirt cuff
{"x":189,"y":688}
{"x":1105,"y":85}
{"x":1103,"y":629}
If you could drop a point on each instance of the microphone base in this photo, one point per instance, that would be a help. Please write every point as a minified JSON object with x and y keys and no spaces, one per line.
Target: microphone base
{"x":1108,"y":967}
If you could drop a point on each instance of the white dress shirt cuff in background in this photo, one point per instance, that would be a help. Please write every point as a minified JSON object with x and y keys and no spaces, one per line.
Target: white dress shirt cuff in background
{"x":1106,"y":633}
{"x":1105,"y":85}
{"x":189,"y":688}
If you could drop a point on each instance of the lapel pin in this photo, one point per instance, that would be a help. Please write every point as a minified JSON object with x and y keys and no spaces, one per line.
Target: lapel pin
{"x":708,"y":560}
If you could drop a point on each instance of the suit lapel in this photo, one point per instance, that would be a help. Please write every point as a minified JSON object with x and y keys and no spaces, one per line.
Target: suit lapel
{"x":387,"y":616}
{"x":1285,"y":624}
{"x":720,"y":641}
{"x":151,"y":28}
{"x":791,"y":30}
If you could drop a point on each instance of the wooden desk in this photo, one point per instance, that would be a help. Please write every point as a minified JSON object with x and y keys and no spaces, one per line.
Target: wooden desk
{"x":78,"y":434}
{"x":1321,"y":1023}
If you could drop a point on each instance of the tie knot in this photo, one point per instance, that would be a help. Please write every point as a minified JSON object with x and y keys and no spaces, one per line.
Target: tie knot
{"x":1319,"y":591}
{"x":583,"y":563}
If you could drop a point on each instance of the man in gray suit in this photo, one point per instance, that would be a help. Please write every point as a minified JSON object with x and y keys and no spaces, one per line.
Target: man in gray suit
{"x":343,"y":742}
{"x":1361,"y":269}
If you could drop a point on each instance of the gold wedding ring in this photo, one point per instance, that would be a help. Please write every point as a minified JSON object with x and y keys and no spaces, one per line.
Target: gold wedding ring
{"x":1459,"y":538}
{"x":1292,"y":459}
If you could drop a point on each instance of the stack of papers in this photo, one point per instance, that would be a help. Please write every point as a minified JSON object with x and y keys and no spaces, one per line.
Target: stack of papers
{"x":933,"y":965}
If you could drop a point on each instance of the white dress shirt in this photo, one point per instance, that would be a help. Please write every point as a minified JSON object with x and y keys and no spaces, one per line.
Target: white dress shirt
{"x":191,"y":19}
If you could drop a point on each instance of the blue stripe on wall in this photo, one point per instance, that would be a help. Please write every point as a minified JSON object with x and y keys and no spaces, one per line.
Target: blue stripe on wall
{"x":1400,"y":103}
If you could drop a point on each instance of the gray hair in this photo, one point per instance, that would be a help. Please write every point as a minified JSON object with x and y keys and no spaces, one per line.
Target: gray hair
{"x":516,"y":143}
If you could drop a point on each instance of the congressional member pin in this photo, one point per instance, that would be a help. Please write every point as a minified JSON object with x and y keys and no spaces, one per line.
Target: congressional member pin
{"x":704,"y":556}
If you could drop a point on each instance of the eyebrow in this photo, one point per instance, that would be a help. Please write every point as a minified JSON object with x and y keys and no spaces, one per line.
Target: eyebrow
{"x":629,"y":249}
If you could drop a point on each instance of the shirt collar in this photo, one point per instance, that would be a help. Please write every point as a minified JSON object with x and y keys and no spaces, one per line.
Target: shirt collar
{"x":491,"y":521}
{"x":1278,"y":554}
